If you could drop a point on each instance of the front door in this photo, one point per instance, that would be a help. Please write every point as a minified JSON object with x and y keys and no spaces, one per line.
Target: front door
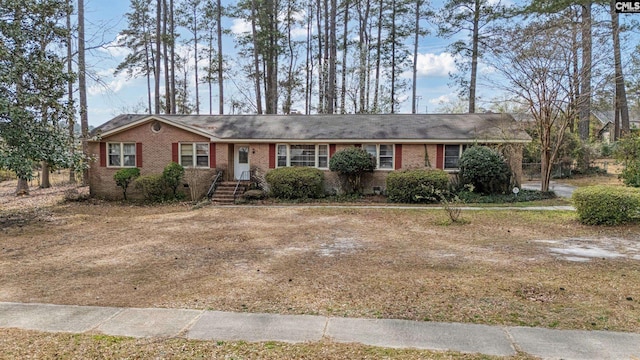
{"x":241,"y":162}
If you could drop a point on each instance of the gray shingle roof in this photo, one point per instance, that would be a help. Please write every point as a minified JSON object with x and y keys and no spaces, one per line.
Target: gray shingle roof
{"x":480,"y":127}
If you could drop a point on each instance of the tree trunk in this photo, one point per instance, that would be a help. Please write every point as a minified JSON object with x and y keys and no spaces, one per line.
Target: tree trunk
{"x":414,"y":69}
{"x":321,"y":64}
{"x":45,"y":179}
{"x":474,"y":57}
{"x":393,"y":56}
{"x":195,"y":57}
{"x":256,"y":59}
{"x":71,"y":120}
{"x":220,"y":62}
{"x":309,"y":62}
{"x":376,"y":91}
{"x":23,"y":187}
{"x":345,"y":43}
{"x":584,"y":104}
{"x":82,"y":87}
{"x":621,"y":107}
{"x":157,"y":59}
{"x":165,"y":58}
{"x":172,"y":30}
{"x":333,"y":59}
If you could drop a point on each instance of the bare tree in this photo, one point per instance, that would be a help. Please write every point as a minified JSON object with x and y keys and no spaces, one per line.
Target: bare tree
{"x":534,"y":62}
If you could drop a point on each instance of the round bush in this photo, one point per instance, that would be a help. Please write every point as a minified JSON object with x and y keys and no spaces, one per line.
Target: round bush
{"x":296,"y":183}
{"x":416,"y":186}
{"x":351,"y":163}
{"x":485,"y":169}
{"x":606,"y":205}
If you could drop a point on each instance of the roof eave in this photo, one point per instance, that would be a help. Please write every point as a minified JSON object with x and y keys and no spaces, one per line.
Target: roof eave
{"x":145,"y":119}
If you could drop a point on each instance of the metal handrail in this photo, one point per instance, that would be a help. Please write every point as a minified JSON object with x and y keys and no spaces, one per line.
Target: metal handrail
{"x":214,"y":184}
{"x":240,"y":179}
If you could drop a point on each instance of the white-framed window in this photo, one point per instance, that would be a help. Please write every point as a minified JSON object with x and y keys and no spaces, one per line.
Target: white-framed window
{"x":309,"y":155}
{"x":121,"y":154}
{"x":452,"y":155}
{"x":383,"y":153}
{"x":194,"y":154}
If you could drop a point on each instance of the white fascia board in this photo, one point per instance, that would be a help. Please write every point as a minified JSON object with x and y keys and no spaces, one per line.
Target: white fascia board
{"x":372,"y":141}
{"x":160,"y":119}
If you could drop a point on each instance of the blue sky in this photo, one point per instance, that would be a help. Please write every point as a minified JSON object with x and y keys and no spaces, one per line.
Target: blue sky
{"x":116,"y":94}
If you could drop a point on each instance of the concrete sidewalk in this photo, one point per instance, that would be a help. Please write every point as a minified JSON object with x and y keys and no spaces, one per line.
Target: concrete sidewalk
{"x":228,"y":326}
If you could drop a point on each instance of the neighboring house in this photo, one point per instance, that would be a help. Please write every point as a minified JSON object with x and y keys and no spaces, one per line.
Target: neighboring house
{"x":607,"y":118}
{"x":240,"y":143}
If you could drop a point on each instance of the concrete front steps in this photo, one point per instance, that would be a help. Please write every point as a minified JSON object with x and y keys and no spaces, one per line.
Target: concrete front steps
{"x":224,"y":192}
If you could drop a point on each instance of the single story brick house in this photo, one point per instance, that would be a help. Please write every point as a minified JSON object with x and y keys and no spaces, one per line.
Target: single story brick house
{"x":236,"y":144}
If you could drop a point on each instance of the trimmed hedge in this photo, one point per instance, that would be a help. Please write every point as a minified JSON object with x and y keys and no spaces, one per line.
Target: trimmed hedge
{"x":296,"y":183}
{"x":606,"y":205}
{"x":416,"y":186}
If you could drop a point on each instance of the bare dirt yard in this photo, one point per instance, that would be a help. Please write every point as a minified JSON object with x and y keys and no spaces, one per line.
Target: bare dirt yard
{"x":501,"y":267}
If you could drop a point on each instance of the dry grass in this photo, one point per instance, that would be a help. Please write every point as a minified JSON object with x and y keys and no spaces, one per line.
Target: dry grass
{"x":17,"y":344}
{"x":386,"y":263}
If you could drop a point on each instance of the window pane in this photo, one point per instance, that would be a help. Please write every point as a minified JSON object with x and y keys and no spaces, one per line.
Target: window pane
{"x":371,"y":149}
{"x":386,"y":157}
{"x":202,"y":161}
{"x":129,"y":160}
{"x":282,"y":155}
{"x":114,"y":154}
{"x":303,"y":155}
{"x":451,"y":156}
{"x":323,"y":156}
{"x":243,"y":155}
{"x":386,"y":150}
{"x":129,"y":149}
{"x":202,"y":149}
{"x":186,"y":155}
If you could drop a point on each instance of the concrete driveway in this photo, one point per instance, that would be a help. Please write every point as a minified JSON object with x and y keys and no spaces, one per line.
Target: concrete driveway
{"x":561,"y":190}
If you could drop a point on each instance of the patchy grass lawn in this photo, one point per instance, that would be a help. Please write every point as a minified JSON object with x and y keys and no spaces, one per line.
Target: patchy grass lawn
{"x":19,"y":344}
{"x":513,"y":268}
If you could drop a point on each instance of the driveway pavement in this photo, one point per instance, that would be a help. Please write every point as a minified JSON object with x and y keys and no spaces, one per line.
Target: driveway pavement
{"x":561,"y":190}
{"x":229,"y":326}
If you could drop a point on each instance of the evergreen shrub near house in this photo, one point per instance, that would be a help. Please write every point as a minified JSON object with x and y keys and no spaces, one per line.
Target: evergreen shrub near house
{"x":172,"y":176}
{"x":350,"y":164}
{"x":485,"y":169}
{"x":417,"y":186}
{"x":606,"y":205}
{"x":124,"y":177}
{"x":162,"y":187}
{"x":153,"y":187}
{"x":296,"y":183}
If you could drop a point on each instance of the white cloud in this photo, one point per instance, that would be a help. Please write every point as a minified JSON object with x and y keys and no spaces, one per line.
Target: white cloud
{"x":115,"y":84}
{"x":240,"y":26}
{"x":435,"y":64}
{"x":443,"y":99}
{"x":114,"y":50}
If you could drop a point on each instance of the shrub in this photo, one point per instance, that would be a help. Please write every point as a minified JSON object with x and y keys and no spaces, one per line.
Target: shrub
{"x":296,"y":183}
{"x":124,"y":177}
{"x":350,"y":164}
{"x":605,"y":205}
{"x":153,"y":187}
{"x":627,"y":151}
{"x":416,"y":186}
{"x":172,"y":176}
{"x":485,"y":169}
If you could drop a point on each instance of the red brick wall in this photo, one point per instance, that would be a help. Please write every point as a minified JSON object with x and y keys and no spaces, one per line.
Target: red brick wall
{"x":156,"y":154}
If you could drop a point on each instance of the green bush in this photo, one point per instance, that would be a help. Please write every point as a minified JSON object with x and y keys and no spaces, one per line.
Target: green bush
{"x":350,"y":164}
{"x":124,"y":177}
{"x":172,"y":174}
{"x":627,"y":151}
{"x":606,"y":205}
{"x":153,"y":187}
{"x":296,"y":183}
{"x":416,"y":186}
{"x":485,"y":169}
